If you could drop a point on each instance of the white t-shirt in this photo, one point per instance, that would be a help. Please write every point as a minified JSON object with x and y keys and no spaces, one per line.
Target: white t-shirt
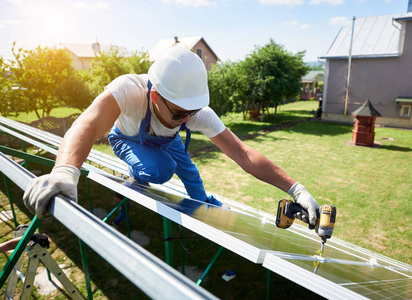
{"x":130,"y":92}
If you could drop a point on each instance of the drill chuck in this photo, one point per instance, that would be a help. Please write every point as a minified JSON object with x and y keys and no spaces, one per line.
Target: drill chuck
{"x":326,"y":222}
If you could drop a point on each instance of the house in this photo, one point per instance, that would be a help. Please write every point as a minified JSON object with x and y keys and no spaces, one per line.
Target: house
{"x":83,"y":54}
{"x":380,"y":69}
{"x":311,"y":83}
{"x":196,"y":43}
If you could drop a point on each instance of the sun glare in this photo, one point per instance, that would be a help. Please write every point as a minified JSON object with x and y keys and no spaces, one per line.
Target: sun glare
{"x":48,"y":24}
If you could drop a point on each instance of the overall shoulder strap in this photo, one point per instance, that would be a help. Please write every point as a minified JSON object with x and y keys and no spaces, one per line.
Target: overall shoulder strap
{"x":188,"y":135}
{"x":146,"y":121}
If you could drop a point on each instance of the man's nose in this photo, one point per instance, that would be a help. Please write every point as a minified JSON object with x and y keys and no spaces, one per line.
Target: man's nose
{"x":186,"y":119}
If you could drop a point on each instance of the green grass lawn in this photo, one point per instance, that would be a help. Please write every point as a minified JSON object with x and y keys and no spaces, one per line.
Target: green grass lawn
{"x":59,"y":112}
{"x":369,"y":186}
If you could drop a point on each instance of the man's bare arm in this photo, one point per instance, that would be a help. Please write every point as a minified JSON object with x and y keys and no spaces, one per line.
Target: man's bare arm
{"x":252,"y":161}
{"x":92,"y":123}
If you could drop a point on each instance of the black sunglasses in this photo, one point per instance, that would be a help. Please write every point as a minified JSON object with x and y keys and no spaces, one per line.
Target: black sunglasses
{"x":182,"y":114}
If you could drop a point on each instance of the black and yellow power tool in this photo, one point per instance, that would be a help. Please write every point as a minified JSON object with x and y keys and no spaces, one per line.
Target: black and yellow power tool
{"x":288,"y":209}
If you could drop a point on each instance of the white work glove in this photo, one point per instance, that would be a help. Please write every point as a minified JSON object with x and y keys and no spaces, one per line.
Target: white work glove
{"x":62,"y":180}
{"x":305,"y":199}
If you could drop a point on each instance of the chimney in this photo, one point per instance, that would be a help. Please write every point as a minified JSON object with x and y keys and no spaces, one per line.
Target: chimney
{"x":96,"y":47}
{"x":177,"y":39}
{"x":410,"y":6}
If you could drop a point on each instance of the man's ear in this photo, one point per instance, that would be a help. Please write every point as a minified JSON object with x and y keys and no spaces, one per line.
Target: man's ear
{"x":153,"y":96}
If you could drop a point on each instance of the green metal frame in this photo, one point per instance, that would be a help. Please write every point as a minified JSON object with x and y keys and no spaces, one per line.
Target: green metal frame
{"x":86,"y":269}
{"x":126,"y":214}
{"x":212,"y":262}
{"x":5,"y":272}
{"x":168,"y":233}
{"x":10,"y":196}
{"x":168,"y":236}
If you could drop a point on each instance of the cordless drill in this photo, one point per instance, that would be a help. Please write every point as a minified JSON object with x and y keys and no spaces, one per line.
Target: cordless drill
{"x":286,"y":215}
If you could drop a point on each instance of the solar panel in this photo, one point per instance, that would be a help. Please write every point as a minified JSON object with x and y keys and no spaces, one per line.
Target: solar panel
{"x":344,"y":269}
{"x":366,"y":281}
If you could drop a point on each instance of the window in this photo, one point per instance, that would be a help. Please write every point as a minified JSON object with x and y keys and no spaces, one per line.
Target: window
{"x":405,"y":111}
{"x":199,"y":52}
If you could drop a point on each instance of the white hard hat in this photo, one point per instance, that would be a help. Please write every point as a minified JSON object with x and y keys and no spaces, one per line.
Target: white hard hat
{"x":180,"y":76}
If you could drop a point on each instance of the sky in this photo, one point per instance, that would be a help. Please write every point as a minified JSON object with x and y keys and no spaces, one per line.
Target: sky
{"x":232,"y":28}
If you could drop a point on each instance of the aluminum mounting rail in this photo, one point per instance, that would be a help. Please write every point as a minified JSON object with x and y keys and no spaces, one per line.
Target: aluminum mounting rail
{"x":108,"y":161}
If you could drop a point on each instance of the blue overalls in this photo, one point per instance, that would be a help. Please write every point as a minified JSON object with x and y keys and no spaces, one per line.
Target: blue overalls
{"x":155,"y":159}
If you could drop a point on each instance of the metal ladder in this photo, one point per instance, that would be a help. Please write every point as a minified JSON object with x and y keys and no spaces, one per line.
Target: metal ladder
{"x":36,"y":251}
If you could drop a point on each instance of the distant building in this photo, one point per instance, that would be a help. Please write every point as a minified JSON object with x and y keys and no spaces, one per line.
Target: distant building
{"x":196,"y":43}
{"x":380,"y":70}
{"x":83,"y":54}
{"x":311,"y":85}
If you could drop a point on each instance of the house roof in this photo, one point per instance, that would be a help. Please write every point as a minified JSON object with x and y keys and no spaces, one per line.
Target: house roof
{"x":311,"y":75}
{"x":162,"y":45}
{"x":375,"y":36}
{"x":366,"y":110}
{"x":86,"y":50}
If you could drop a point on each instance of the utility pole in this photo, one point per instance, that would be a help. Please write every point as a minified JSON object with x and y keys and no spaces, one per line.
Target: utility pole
{"x":345,"y":110}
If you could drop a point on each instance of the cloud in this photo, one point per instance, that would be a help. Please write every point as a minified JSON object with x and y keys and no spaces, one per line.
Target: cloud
{"x":5,"y":23}
{"x":291,"y":23}
{"x":331,"y":2}
{"x":282,"y":2}
{"x":11,"y":22}
{"x":296,"y":23}
{"x":16,"y":2}
{"x":194,"y":3}
{"x":339,"y":21}
{"x":100,"y":5}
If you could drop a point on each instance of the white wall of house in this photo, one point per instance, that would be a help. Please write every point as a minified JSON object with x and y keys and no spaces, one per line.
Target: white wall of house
{"x":382,"y":80}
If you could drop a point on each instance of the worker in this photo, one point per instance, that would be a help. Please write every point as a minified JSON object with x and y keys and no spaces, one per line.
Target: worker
{"x":147,"y":112}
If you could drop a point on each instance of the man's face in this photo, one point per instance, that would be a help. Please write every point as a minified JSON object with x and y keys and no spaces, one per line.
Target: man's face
{"x":172,"y":114}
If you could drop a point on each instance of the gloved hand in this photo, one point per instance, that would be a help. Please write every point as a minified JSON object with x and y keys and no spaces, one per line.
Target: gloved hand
{"x":62,"y":180}
{"x":305,"y":199}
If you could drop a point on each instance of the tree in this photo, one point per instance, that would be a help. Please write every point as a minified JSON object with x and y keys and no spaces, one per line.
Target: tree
{"x":11,"y":100}
{"x":74,"y":92}
{"x":37,"y":74}
{"x":225,"y":88}
{"x":106,"y":66}
{"x":273,"y":74}
{"x":139,"y":62}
